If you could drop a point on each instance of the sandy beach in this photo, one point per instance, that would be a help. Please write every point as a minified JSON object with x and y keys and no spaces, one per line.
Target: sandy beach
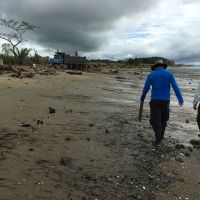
{"x":92,"y":146}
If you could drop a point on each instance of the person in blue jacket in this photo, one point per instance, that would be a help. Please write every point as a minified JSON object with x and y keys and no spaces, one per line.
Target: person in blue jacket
{"x":160,"y":80}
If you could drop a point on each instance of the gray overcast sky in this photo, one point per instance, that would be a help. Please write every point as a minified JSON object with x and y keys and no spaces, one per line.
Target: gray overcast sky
{"x":113,"y":29}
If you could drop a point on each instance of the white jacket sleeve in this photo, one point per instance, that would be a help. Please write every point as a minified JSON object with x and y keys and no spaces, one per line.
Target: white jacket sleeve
{"x":197,"y":95}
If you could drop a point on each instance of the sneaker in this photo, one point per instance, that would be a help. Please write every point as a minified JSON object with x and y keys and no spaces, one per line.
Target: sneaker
{"x":157,"y":143}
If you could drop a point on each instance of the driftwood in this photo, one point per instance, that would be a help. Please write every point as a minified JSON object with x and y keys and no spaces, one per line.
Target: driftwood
{"x":114,"y":71}
{"x":74,"y":72}
{"x":18,"y":72}
{"x":22,"y":75}
{"x":14,"y":69}
{"x":27,"y":75}
{"x":47,"y":72}
{"x":5,"y":68}
{"x":141,"y":110}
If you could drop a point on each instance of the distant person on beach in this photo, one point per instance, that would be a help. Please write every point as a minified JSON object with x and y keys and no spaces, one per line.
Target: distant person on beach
{"x":33,"y":66}
{"x":160,"y":80}
{"x":196,"y":102}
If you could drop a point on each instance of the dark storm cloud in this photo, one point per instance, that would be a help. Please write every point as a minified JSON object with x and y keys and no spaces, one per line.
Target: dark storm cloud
{"x":73,"y":24}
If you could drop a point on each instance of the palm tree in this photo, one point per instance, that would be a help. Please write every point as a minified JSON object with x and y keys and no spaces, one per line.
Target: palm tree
{"x":22,"y":54}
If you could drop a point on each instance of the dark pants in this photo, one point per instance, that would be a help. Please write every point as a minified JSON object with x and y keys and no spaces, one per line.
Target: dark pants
{"x":198,"y":116}
{"x":159,"y":115}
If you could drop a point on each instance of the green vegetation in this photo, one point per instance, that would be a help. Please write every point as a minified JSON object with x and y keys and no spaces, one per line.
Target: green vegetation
{"x":151,"y":61}
{"x":22,"y":54}
{"x":131,"y":62}
{"x":24,"y":58}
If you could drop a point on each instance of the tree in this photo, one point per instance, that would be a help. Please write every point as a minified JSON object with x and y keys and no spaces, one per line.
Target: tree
{"x":22,"y":54}
{"x":6,"y":49}
{"x":36,"y":57}
{"x":17,"y":35}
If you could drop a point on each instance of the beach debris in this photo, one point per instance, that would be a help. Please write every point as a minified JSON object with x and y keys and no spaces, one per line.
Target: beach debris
{"x":65,"y":161}
{"x":15,"y":75}
{"x":27,"y":75}
{"x":179,"y":159}
{"x":7,"y":68}
{"x":39,"y":122}
{"x":40,"y":162}
{"x":195,"y":142}
{"x":68,"y":138}
{"x":187,"y":121}
{"x":120,"y":77}
{"x":21,"y":73}
{"x":69,"y":111}
{"x":91,"y":125}
{"x":88,"y":139}
{"x":187,"y":153}
{"x":107,"y":131}
{"x":25,"y":125}
{"x":47,"y":71}
{"x":184,"y":146}
{"x":190,"y":148}
{"x":112,"y":90}
{"x":73,"y":72}
{"x":31,"y":149}
{"x":90,"y":178}
{"x":113,"y":71}
{"x":180,"y":146}
{"x":51,"y":110}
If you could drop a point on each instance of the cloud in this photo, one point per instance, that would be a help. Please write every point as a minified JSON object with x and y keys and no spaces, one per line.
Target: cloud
{"x":113,"y":29}
{"x":171,"y":33}
{"x":79,"y":24}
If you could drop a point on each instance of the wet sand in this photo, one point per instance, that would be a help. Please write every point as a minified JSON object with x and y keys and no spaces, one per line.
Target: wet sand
{"x":93,"y":146}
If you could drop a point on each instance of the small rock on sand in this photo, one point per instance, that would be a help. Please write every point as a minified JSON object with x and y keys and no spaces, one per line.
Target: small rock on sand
{"x":107,"y":131}
{"x":51,"y":110}
{"x":65,"y":161}
{"x":68,"y":138}
{"x":25,"y":125}
{"x":180,"y":146}
{"x":179,"y":159}
{"x":187,"y":153}
{"x":195,"y":142}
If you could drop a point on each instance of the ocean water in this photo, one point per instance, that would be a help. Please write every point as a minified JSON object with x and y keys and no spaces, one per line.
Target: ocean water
{"x":187,"y":72}
{"x":187,"y":78}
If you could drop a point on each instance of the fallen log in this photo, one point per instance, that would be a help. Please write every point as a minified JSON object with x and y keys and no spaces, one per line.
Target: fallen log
{"x":20,"y":74}
{"x":5,"y":68}
{"x":113,"y":71}
{"x":74,"y":72}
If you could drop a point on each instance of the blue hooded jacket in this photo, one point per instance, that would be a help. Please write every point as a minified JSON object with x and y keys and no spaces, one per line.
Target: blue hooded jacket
{"x":160,"y":80}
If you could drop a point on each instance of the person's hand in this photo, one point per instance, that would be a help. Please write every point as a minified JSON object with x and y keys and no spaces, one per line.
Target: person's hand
{"x":195,"y":106}
{"x":180,"y":104}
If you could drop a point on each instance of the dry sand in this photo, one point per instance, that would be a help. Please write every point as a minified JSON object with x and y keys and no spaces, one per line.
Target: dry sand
{"x":93,"y":146}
